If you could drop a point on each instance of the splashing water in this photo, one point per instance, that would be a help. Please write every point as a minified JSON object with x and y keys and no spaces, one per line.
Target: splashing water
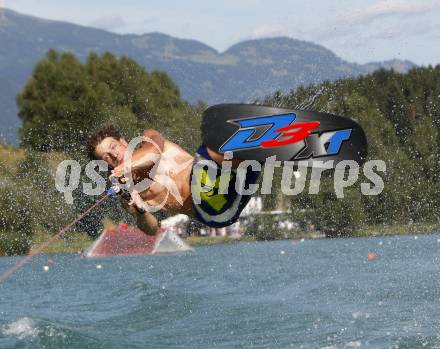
{"x":22,"y":328}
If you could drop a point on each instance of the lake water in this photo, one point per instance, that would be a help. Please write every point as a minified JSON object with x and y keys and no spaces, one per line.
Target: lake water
{"x":283,"y":294}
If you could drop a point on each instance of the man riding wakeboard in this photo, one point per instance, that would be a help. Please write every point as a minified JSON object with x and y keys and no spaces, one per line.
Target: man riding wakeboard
{"x":212,"y":187}
{"x":174,"y":176}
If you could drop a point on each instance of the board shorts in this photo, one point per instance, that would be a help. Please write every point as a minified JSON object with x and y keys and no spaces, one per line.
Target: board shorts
{"x":213,"y":205}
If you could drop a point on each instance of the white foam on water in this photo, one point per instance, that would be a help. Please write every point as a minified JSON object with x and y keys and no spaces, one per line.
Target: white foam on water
{"x":352,"y":344}
{"x":21,"y":328}
{"x":360,"y":314}
{"x":28,"y":328}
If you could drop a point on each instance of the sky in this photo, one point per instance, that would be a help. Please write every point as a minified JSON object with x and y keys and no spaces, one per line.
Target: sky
{"x":356,"y":30}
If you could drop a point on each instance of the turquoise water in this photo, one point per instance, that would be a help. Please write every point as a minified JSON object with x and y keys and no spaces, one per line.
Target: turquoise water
{"x":284,"y":294}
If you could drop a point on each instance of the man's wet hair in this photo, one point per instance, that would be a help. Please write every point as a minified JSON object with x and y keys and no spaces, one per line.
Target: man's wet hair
{"x":98,"y":135}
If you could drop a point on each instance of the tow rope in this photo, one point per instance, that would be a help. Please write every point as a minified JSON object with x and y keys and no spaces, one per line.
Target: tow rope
{"x":112,"y":191}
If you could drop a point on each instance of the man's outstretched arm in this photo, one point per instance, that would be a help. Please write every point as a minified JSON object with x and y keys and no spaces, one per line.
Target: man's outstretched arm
{"x":144,"y":221}
{"x":147,"y":223}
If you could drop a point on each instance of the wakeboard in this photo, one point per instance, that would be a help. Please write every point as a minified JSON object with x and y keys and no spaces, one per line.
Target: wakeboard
{"x":256,"y":132}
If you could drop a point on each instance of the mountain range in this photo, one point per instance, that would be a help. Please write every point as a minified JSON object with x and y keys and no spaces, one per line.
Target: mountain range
{"x":246,"y":71}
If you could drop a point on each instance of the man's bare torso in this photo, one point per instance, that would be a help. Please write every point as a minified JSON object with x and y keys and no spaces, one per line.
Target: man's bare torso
{"x":171,"y":181}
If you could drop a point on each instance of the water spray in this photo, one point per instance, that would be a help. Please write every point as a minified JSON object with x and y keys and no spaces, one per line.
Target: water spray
{"x":114,"y":190}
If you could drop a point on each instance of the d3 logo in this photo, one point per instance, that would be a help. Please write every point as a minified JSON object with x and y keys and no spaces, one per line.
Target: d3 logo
{"x":280,"y":130}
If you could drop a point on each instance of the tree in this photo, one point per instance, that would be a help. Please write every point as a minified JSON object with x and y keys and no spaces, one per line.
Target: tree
{"x":65,"y":99}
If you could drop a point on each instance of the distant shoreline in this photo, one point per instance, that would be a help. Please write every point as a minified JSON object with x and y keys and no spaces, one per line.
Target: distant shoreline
{"x":79,"y":242}
{"x":397,"y":229}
